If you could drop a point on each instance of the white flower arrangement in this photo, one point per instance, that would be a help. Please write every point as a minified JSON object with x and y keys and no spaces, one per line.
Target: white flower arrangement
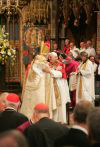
{"x":6,"y":51}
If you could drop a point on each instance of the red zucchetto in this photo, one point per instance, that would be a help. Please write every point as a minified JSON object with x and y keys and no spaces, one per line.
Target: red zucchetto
{"x":13,"y":98}
{"x":41,"y":107}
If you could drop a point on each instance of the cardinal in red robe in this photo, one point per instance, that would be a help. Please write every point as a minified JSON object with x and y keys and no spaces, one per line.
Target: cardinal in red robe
{"x":71,"y":66}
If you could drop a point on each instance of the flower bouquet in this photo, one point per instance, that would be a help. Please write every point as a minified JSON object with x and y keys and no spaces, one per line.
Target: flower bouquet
{"x":7,"y":53}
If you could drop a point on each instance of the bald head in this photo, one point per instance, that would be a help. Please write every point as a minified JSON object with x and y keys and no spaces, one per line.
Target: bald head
{"x":40,"y":111}
{"x":12,"y":100}
{"x":93,"y":122}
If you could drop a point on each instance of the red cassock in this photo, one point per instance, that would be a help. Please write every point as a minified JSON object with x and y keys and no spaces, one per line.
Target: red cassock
{"x":64,"y":76}
{"x":23,"y":126}
{"x":72,"y":67}
{"x":66,"y":50}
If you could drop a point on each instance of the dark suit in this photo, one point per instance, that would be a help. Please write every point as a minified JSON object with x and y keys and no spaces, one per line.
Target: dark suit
{"x":10,"y":119}
{"x":96,"y":145}
{"x":75,"y":137}
{"x":35,"y":136}
{"x":52,"y":129}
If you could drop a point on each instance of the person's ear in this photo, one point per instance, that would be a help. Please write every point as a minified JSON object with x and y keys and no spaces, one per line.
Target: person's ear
{"x":19,"y":106}
{"x":48,"y":114}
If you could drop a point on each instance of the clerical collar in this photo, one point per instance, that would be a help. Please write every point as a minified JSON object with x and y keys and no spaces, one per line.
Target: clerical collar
{"x":10,"y":109}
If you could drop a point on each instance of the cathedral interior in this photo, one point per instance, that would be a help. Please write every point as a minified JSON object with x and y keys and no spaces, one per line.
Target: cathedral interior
{"x":28,"y":22}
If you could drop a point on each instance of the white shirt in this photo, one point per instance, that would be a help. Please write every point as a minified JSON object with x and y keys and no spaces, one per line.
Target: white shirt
{"x":99,"y":69}
{"x":11,"y":108}
{"x":82,"y":50}
{"x":91,"y":51}
{"x":95,"y":67}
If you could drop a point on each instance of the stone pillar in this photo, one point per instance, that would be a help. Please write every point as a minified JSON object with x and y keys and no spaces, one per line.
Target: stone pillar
{"x":98,"y":33}
{"x":53,"y":20}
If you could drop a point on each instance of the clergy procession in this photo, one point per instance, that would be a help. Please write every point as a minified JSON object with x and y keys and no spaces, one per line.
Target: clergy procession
{"x":60,"y":85}
{"x":61,"y":77}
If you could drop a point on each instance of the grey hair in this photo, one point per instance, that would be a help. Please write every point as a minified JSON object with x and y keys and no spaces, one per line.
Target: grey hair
{"x":41,"y":111}
{"x":93,"y":121}
{"x":81,"y":111}
{"x":17,"y":139}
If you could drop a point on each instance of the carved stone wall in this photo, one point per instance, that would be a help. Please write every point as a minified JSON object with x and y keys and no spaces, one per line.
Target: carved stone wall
{"x":98,"y":33}
{"x":53,"y":21}
{"x":35,"y":26}
{"x":68,"y":8}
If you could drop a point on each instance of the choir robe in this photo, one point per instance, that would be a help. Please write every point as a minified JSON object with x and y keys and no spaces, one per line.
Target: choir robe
{"x":59,"y":75}
{"x":95,"y":67}
{"x":38,"y":88}
{"x":91,"y":51}
{"x":82,"y":50}
{"x":85,"y":84}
